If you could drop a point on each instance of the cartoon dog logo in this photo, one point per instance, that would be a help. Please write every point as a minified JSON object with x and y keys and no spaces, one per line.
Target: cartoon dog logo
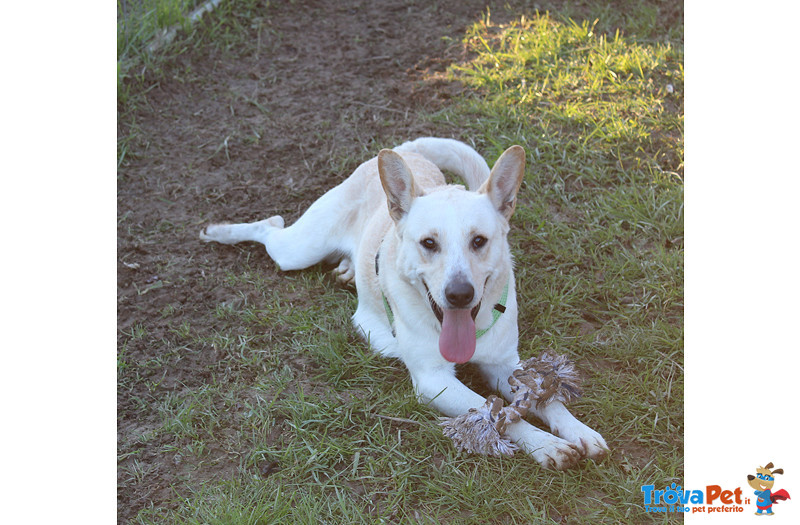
{"x":763,"y":482}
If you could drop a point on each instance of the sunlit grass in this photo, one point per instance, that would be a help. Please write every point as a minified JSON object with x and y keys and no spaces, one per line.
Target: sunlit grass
{"x":306,"y":409}
{"x":610,"y":108}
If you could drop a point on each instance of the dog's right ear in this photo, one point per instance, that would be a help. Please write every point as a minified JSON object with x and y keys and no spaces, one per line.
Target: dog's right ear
{"x":398,"y":183}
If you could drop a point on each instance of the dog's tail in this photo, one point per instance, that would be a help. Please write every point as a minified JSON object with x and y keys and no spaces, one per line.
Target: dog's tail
{"x":451,"y":155}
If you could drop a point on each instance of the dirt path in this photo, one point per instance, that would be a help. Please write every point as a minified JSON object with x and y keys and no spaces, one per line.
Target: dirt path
{"x":240,"y":130}
{"x":244,"y":133}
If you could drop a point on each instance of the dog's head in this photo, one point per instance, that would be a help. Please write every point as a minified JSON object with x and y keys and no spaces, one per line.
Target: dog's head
{"x":764,"y":478}
{"x":452,"y":242}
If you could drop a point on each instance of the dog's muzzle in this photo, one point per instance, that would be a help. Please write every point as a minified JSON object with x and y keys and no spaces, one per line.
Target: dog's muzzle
{"x":437,"y":310}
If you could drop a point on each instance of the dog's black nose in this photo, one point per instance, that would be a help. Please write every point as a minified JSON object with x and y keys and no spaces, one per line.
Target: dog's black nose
{"x":459,"y":293}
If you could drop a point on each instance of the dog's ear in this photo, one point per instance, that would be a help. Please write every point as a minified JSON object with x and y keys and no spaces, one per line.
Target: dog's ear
{"x":769,"y":465}
{"x":398,"y":183}
{"x":505,"y":179}
{"x":778,"y":471}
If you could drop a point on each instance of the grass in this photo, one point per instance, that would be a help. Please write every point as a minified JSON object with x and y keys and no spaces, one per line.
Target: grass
{"x":599,"y":229}
{"x":145,"y":31}
{"x":324,"y":431}
{"x":139,"y":23}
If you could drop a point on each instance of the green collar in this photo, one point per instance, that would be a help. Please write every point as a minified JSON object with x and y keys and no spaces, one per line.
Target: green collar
{"x":498,"y":310}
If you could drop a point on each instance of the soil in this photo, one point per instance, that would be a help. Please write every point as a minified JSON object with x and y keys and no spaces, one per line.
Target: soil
{"x":241,"y":133}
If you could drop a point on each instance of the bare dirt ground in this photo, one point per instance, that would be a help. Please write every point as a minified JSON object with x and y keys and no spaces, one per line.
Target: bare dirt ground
{"x":242,"y":133}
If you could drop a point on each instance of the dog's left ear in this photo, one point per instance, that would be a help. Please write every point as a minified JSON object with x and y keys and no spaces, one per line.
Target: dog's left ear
{"x":505,"y":180}
{"x":398,"y":183}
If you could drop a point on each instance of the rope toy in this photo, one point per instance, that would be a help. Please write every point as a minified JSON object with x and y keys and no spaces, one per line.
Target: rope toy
{"x":543,"y":379}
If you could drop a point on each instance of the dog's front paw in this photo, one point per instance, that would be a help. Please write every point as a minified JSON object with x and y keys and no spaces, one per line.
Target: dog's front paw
{"x":548,"y":450}
{"x":589,"y":442}
{"x":555,"y":453}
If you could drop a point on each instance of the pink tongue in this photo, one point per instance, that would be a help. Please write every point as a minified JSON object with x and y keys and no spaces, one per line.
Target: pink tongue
{"x":457,"y":340}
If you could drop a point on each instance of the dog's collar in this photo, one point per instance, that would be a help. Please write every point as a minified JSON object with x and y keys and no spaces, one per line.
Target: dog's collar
{"x":497,"y":310}
{"x":386,"y":306}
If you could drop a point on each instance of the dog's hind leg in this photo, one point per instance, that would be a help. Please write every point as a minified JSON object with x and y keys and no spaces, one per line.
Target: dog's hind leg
{"x":235,"y":233}
{"x":320,"y":234}
{"x":294,"y":248}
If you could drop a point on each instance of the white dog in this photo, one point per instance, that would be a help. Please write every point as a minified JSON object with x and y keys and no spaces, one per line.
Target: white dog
{"x":429,"y":261}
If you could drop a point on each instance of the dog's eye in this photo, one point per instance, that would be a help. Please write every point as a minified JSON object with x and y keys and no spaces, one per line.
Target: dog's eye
{"x":428,"y":244}
{"x":478,"y":241}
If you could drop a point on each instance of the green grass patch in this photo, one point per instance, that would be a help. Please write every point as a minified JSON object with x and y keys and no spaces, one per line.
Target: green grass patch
{"x":325,"y":431}
{"x":592,"y":107}
{"x":139,"y":25}
{"x":598,"y":232}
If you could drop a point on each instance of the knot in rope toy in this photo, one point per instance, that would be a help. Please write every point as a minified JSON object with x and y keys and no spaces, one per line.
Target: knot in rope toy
{"x":543,"y":379}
